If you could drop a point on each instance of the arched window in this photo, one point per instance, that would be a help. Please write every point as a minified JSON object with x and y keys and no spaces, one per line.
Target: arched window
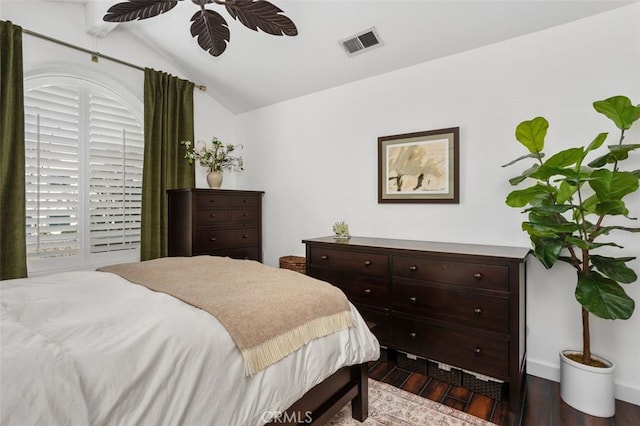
{"x":84,"y":149}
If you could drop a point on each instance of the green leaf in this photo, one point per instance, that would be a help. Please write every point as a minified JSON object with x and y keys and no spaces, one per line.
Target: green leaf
{"x":610,"y":185}
{"x":612,"y":207}
{"x":615,"y":268}
{"x":524,"y":157}
{"x":604,"y":230}
{"x":616,"y":153}
{"x":527,"y":173}
{"x":551,"y":209}
{"x":546,"y":250}
{"x":597,"y":142}
{"x":565,"y":192}
{"x":549,"y":230}
{"x":620,"y":110}
{"x":522,"y":197}
{"x":565,"y":158}
{"x":603,"y":296}
{"x":531,"y":134}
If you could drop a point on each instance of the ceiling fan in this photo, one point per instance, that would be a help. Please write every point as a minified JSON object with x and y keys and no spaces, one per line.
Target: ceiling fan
{"x":207,"y":26}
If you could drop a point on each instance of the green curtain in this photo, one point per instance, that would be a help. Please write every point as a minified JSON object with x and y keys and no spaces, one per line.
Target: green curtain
{"x":168,"y":119}
{"x":13,"y":250}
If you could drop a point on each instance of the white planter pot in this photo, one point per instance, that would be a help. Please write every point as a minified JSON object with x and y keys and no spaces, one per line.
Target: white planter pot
{"x":585,"y":388}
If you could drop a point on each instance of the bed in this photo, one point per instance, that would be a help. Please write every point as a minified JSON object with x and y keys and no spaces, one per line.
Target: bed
{"x":91,"y":347}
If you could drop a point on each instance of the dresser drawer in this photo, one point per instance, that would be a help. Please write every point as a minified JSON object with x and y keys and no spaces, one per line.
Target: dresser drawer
{"x":212,"y":216}
{"x":250,"y":253}
{"x":208,"y":240}
{"x":454,"y":304}
{"x":350,"y":261}
{"x":244,"y":200}
{"x":211,"y":200}
{"x":462,"y":347}
{"x":366,"y":289}
{"x":248,"y":214}
{"x":478,"y":275}
{"x":378,"y":321}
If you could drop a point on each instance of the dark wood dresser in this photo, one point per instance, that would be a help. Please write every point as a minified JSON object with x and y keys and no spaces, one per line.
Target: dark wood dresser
{"x":458,"y":304}
{"x":217,"y":222}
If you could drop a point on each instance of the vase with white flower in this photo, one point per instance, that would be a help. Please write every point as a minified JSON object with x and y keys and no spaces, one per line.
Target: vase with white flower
{"x":216,"y":157}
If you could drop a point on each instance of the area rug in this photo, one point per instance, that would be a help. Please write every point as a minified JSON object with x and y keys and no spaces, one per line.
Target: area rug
{"x":390,"y":406}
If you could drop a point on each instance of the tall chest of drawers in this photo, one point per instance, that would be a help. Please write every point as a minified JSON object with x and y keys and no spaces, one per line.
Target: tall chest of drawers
{"x":458,"y":304}
{"x":217,"y":222}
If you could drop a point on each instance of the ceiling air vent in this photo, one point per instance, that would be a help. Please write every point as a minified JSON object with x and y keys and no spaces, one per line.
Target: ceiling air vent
{"x":362,"y":41}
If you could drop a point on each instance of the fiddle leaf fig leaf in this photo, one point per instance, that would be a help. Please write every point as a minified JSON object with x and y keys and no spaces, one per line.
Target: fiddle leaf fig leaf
{"x":565,"y":158}
{"x":522,"y":197}
{"x":531,"y":134}
{"x":597,"y":142}
{"x":612,"y":207}
{"x":610,"y":185}
{"x":615,"y":268}
{"x":565,"y":192}
{"x":524,"y":157}
{"x":546,"y":250}
{"x":603,"y":296}
{"x":620,"y":110}
{"x":527,"y":173}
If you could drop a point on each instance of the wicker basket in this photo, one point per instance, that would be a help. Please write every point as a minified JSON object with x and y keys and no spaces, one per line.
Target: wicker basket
{"x":295,"y":263}
{"x":453,"y":376}
{"x":485,"y":387}
{"x":412,"y":363}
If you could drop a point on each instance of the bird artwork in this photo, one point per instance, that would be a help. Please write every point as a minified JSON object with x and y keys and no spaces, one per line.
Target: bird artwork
{"x":209,"y":27}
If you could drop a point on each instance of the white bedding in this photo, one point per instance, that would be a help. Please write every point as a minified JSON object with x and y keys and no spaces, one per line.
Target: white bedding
{"x":82,"y":348}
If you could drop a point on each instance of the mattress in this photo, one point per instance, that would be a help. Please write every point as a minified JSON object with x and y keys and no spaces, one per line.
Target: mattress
{"x":89,"y":347}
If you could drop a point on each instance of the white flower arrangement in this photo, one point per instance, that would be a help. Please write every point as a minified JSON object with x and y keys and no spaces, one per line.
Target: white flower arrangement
{"x":217,"y":158}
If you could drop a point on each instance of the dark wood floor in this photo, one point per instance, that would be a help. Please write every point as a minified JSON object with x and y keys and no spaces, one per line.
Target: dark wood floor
{"x":542,"y":405}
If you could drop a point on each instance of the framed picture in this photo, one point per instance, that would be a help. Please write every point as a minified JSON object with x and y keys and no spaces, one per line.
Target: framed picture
{"x":419,"y":167}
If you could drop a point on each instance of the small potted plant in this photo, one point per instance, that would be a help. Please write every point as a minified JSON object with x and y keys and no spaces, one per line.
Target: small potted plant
{"x":216,"y":158}
{"x":569,"y":207}
{"x":341,"y":230}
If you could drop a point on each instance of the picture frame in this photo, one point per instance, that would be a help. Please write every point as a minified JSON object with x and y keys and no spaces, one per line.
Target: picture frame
{"x":419,"y":167}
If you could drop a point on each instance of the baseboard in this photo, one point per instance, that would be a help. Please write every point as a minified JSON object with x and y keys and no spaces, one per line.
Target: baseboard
{"x":624,"y":391}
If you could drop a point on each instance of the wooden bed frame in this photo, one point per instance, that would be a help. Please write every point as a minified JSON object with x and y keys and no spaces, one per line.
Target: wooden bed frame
{"x":323,"y":401}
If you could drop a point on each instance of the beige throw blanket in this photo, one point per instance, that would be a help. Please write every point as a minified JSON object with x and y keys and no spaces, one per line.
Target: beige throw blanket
{"x":268,"y":312}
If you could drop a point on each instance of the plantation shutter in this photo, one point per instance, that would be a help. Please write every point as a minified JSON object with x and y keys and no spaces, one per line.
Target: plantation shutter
{"x":84,"y":150}
{"x":51,"y":169}
{"x":115,"y":175}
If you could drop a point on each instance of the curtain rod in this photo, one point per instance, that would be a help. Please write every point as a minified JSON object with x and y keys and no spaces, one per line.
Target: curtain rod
{"x":94,"y":55}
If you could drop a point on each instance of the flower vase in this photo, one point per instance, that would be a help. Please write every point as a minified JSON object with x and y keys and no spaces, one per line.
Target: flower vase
{"x":214,"y":179}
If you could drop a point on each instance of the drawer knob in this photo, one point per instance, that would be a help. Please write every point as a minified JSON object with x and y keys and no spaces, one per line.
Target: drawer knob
{"x":324,"y":257}
{"x":478,"y":276}
{"x":413,"y":268}
{"x":213,"y":226}
{"x":367,"y":263}
{"x":245,"y":224}
{"x":212,"y":200}
{"x":367,"y":291}
{"x":245,"y":236}
{"x":413,"y":335}
{"x":244,"y":200}
{"x":212,"y":215}
{"x":477,"y":351}
{"x":213,"y":239}
{"x":413,"y":299}
{"x":478,"y":311}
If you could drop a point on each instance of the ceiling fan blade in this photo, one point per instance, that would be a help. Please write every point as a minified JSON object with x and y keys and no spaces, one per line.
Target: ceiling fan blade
{"x":138,"y":9}
{"x":211,"y":31}
{"x":261,"y":14}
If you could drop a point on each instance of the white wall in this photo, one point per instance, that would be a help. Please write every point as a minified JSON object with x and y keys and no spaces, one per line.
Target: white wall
{"x":316,"y":158}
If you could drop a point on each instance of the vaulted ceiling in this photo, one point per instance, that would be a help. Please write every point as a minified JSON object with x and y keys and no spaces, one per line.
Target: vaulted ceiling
{"x":259,"y":69}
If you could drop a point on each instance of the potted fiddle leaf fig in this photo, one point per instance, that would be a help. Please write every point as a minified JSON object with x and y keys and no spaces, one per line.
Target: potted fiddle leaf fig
{"x":574,"y":208}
